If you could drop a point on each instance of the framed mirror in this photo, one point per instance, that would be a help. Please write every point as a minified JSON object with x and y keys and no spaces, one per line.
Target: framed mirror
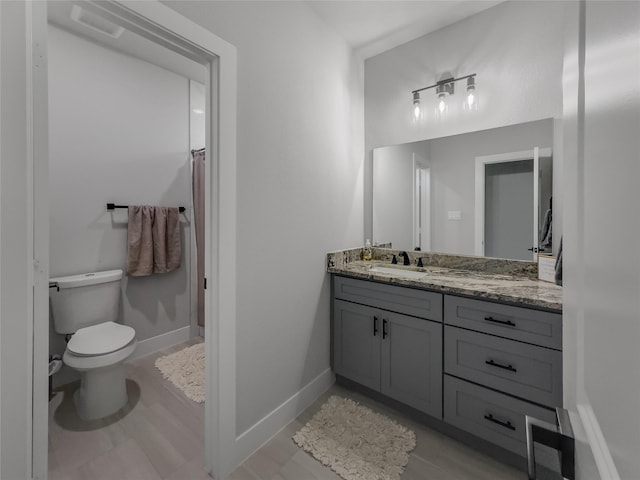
{"x":483,"y":193}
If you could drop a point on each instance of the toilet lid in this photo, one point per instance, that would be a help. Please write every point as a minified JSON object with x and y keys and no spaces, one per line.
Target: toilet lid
{"x":100,"y":339}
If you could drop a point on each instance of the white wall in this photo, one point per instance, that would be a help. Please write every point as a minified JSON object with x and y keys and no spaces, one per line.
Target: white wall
{"x":602,"y":260}
{"x":15,"y":247}
{"x":516,"y":50}
{"x":119,"y":132}
{"x":299,"y":160}
{"x":197,"y":127}
{"x":393,"y":176}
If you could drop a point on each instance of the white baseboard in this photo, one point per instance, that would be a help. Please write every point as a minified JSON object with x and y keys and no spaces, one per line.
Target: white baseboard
{"x":599,"y":448}
{"x":252,"y":439}
{"x":153,"y":344}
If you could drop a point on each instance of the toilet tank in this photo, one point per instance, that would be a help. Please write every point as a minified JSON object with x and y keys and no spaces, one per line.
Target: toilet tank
{"x":84,"y":300}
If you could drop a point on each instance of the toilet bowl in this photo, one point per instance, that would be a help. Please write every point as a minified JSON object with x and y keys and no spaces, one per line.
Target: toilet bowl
{"x":98,"y":353}
{"x":87,"y":306}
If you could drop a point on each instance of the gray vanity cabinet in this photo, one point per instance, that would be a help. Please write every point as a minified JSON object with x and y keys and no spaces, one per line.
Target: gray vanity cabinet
{"x":396,"y":354}
{"x":480,"y":366}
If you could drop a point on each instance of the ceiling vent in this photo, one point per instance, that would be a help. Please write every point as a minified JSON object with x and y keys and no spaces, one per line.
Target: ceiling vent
{"x":95,"y":22}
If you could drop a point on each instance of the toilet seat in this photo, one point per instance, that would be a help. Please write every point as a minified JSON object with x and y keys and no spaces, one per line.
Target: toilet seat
{"x":101,"y":339}
{"x":84,"y":363}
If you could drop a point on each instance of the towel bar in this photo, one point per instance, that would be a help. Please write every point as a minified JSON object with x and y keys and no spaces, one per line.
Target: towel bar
{"x":112,"y":206}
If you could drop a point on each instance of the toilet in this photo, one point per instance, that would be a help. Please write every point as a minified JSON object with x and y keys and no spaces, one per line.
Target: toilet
{"x":86,"y":306}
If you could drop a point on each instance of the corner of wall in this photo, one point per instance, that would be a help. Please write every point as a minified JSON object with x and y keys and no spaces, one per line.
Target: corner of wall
{"x":252,"y":439}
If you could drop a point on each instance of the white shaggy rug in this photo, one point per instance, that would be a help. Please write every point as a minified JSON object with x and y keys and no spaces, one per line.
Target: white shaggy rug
{"x":185,"y":369}
{"x":355,"y":442}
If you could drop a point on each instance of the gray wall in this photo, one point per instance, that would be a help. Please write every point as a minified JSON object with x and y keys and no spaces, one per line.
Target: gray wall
{"x":299,"y":160}
{"x":602,"y":234}
{"x":515,"y":48}
{"x":393,"y":176}
{"x":453,"y":177}
{"x":119,"y":132}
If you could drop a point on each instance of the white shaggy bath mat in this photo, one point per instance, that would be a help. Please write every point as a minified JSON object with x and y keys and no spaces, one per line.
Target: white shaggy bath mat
{"x":185,"y":369}
{"x":355,"y":442}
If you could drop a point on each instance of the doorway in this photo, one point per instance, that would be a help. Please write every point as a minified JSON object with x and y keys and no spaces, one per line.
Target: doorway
{"x":507,"y":209}
{"x":509,"y":189}
{"x":422,"y":207}
{"x":159,"y":24}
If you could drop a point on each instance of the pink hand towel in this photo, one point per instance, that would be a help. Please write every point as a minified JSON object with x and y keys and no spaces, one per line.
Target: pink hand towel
{"x":140,"y":241}
{"x":166,"y":239}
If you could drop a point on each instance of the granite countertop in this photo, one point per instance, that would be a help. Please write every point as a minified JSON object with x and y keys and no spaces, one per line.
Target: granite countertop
{"x":504,"y":284}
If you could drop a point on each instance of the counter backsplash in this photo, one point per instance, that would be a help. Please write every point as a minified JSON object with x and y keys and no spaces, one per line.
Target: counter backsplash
{"x":502,"y":266}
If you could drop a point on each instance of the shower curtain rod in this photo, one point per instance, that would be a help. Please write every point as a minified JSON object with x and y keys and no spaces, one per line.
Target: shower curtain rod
{"x":112,"y":206}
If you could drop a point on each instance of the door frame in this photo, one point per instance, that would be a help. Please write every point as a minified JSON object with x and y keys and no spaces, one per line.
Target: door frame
{"x":481,"y":162}
{"x":421,"y":196}
{"x":161,"y":24}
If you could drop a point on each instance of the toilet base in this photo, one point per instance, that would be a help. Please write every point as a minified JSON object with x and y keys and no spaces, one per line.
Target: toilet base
{"x":102,"y":392}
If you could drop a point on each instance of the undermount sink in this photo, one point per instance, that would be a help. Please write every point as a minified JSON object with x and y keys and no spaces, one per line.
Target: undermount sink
{"x":397,"y":272}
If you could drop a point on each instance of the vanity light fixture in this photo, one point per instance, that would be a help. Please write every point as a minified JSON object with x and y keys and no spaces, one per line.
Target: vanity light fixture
{"x":444,"y":88}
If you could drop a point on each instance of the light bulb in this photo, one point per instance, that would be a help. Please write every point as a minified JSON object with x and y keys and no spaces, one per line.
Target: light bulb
{"x":417,"y":112}
{"x":442,"y":107}
{"x":471,"y":98}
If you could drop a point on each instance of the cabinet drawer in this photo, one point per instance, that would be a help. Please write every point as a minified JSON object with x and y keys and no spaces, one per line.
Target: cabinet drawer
{"x":526,"y":371}
{"x":493,"y":416}
{"x":417,"y":303}
{"x":516,"y":323}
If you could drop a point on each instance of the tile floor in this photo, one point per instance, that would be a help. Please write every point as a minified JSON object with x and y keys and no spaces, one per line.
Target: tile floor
{"x":436,"y":456}
{"x":159,"y":435}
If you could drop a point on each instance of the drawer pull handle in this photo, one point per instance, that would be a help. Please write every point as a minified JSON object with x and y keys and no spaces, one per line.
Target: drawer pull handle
{"x":501,"y":322}
{"x":499,"y":365}
{"x":506,"y":424}
{"x":375,"y":326}
{"x":384,"y":328}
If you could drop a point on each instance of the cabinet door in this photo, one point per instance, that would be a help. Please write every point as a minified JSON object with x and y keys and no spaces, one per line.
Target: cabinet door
{"x":412,"y":362}
{"x":357,"y":334}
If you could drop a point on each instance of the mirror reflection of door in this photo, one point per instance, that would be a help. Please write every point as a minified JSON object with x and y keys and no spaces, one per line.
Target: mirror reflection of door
{"x":422,"y":208}
{"x":513,"y":204}
{"x":401,"y":201}
{"x":508,"y":229}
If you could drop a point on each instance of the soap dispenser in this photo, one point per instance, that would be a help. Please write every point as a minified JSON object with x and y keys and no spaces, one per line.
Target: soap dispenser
{"x":366,"y":252}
